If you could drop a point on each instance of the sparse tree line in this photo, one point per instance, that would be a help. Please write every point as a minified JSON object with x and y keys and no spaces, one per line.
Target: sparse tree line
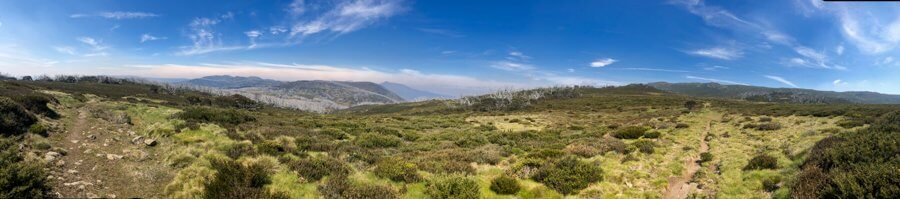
{"x":505,"y":100}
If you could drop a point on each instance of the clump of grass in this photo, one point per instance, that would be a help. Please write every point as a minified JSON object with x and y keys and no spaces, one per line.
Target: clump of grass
{"x":375,"y":140}
{"x":644,"y":146}
{"x":762,"y":161}
{"x":20,"y":178}
{"x":505,"y":185}
{"x":631,"y":132}
{"x":568,"y":175}
{"x":235,"y":180}
{"x":705,"y":157}
{"x":452,"y":187}
{"x":14,"y":119}
{"x":652,"y":135}
{"x":315,"y":168}
{"x":396,"y":170}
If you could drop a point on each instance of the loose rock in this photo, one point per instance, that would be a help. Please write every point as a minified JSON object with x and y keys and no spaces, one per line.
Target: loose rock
{"x":150,"y":142}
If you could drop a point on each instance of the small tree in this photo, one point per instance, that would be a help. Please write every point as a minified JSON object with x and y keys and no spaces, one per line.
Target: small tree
{"x":691,"y":105}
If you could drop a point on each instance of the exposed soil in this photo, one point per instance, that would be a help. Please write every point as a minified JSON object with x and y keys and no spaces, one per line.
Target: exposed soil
{"x":99,"y":159}
{"x":680,"y":186}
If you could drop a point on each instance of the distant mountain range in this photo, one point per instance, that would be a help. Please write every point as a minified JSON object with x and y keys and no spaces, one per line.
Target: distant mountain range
{"x":411,"y":94}
{"x":785,"y":95}
{"x":313,"y":95}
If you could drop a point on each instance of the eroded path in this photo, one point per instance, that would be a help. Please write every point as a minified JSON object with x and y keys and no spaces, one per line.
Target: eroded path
{"x":98,"y":157}
{"x":680,"y":186}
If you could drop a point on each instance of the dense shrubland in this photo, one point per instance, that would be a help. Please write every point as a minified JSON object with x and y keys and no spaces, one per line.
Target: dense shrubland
{"x":860,"y":164}
{"x":528,"y":144}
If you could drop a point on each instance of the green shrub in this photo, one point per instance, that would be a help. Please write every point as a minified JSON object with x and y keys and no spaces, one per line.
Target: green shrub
{"x":762,"y":161}
{"x":631,"y":132}
{"x":20,"y":178}
{"x":765,"y":119}
{"x":374,"y":140}
{"x":705,"y":157}
{"x":37,"y":103}
{"x":370,"y":191}
{"x":505,"y":185}
{"x":14,"y":119}
{"x":768,"y":126}
{"x":452,"y":187}
{"x":681,"y":126}
{"x":239,"y":149}
{"x":315,"y":168}
{"x":234,"y":180}
{"x":568,"y":175}
{"x":38,"y":129}
{"x":613,"y":144}
{"x":652,"y":135}
{"x":644,"y":146}
{"x":396,"y":170}
{"x":583,"y":149}
{"x":448,"y":166}
{"x":771,"y":184}
{"x":223,"y":117}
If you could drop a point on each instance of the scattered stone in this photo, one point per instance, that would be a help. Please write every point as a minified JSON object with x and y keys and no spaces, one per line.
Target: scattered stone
{"x":88,"y":151}
{"x":111,"y":195}
{"x":60,"y":163}
{"x":113,"y":156}
{"x":150,"y":142}
{"x":74,"y":141}
{"x":50,"y":156}
{"x":92,"y":136}
{"x":72,"y":171}
{"x":92,"y":195}
{"x":137,"y":139}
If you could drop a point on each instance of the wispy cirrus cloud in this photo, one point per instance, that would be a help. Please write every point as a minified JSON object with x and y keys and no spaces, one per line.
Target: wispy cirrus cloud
{"x":656,"y":69}
{"x":204,"y":38}
{"x":512,"y":66}
{"x":117,"y":15}
{"x":603,"y":62}
{"x":715,"y":80}
{"x":65,"y":50}
{"x":442,"y":32}
{"x":718,"y":53}
{"x":781,"y":79}
{"x":346,"y":17}
{"x":715,"y":68}
{"x":148,"y":37}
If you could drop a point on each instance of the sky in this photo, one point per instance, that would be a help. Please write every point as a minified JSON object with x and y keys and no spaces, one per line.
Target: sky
{"x":467,"y":46}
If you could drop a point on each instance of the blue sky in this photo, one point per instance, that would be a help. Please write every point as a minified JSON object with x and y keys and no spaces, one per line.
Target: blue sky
{"x":464,"y":47}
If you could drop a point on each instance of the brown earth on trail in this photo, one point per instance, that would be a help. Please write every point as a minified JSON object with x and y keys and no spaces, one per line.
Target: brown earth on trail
{"x":92,"y":157}
{"x":680,"y":186}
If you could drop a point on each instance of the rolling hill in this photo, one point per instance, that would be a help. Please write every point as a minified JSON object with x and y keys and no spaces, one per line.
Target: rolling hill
{"x":313,"y":95}
{"x":765,"y":94}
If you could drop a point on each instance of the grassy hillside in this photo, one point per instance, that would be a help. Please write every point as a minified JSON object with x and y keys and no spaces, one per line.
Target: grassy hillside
{"x":123,"y":139}
{"x":785,"y":95}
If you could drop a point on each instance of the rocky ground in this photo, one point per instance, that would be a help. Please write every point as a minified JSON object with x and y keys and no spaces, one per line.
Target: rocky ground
{"x":93,"y":157}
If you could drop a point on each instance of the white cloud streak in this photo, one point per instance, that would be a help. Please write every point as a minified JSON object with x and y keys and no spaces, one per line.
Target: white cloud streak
{"x":117,"y":15}
{"x":148,"y":37}
{"x":782,"y":80}
{"x":657,"y":70}
{"x":347,"y":16}
{"x":512,"y":66}
{"x":718,"y":53}
{"x":603,"y":62}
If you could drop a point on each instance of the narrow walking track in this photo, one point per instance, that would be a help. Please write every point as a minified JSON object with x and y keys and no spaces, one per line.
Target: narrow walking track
{"x":680,"y":186}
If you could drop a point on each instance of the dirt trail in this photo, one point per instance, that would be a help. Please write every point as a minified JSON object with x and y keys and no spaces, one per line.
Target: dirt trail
{"x":680,"y":186}
{"x":98,"y":159}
